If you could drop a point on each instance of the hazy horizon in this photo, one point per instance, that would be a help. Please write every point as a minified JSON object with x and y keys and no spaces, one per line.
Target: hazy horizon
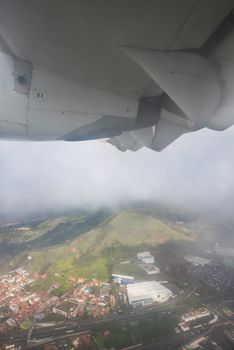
{"x":193,"y":173}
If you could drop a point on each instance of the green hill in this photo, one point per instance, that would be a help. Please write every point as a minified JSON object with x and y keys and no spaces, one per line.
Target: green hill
{"x":92,"y":254}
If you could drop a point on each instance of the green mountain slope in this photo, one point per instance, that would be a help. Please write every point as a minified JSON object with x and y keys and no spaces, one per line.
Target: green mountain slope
{"x":94,"y":253}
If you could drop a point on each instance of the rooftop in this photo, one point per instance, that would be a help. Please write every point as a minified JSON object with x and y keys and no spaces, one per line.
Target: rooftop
{"x":123,"y":276}
{"x":146,"y":289}
{"x":196,"y":260}
{"x":66,"y":306}
{"x":144,"y":255}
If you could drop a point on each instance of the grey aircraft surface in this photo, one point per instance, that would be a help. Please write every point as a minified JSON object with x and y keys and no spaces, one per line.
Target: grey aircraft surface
{"x":135,"y":72}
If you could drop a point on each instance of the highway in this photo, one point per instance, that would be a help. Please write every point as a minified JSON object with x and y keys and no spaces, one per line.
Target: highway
{"x":17,"y":336}
{"x":82,"y":325}
{"x":69,"y":328}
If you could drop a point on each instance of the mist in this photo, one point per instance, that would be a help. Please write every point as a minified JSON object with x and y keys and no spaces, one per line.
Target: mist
{"x":195,"y":173}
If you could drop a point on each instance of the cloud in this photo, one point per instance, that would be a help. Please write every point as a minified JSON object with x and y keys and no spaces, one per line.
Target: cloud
{"x":195,"y":172}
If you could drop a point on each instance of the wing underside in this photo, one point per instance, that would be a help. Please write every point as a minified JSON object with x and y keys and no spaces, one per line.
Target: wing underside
{"x":140,"y":73}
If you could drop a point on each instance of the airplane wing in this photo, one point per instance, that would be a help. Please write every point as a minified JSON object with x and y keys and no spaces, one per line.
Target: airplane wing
{"x":140,"y":73}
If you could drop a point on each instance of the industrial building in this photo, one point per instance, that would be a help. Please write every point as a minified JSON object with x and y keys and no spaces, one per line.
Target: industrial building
{"x":184,"y":326}
{"x":150,"y":269}
{"x":196,"y":260}
{"x":122,"y":279}
{"x":146,"y":293}
{"x":196,"y":344}
{"x":146,"y":257}
{"x":195,"y":315}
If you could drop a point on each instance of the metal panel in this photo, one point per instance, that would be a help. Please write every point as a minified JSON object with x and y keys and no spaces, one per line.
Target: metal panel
{"x":52,"y":124}
{"x":13,"y":106}
{"x":53,"y":92}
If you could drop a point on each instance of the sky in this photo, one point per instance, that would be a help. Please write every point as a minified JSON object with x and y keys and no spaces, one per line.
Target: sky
{"x":196,"y":172}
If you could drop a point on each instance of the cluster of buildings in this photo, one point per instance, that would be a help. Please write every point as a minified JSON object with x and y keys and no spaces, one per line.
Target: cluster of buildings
{"x":145,"y":293}
{"x":146,"y":262}
{"x":91,"y":298}
{"x":211,"y":271}
{"x":195,"y":317}
{"x":14,"y":282}
{"x":217,"y":276}
{"x":217,"y":340}
{"x":18,"y":305}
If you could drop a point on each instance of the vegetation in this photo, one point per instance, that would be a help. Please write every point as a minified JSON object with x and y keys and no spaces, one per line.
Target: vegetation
{"x":145,"y":330}
{"x":98,"y":251}
{"x":25,"y":324}
{"x":61,"y":290}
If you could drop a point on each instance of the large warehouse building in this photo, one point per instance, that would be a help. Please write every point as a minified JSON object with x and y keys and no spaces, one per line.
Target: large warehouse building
{"x":146,"y":293}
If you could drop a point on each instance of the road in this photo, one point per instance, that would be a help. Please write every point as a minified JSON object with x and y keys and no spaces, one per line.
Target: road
{"x":67,"y":328}
{"x":83,"y":324}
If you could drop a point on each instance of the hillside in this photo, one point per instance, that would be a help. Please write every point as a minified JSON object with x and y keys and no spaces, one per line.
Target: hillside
{"x":91,"y":254}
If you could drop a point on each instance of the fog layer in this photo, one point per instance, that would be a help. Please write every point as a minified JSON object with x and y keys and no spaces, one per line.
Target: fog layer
{"x":195,"y":173}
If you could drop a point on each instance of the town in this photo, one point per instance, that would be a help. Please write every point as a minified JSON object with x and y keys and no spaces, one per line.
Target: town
{"x":22,"y":307}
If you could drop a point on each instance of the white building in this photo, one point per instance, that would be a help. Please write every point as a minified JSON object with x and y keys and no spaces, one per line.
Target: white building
{"x":146,"y":293}
{"x":146,"y":257}
{"x":195,"y":315}
{"x":150,"y":269}
{"x":196,"y":260}
{"x":184,"y":326}
{"x":123,"y":279}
